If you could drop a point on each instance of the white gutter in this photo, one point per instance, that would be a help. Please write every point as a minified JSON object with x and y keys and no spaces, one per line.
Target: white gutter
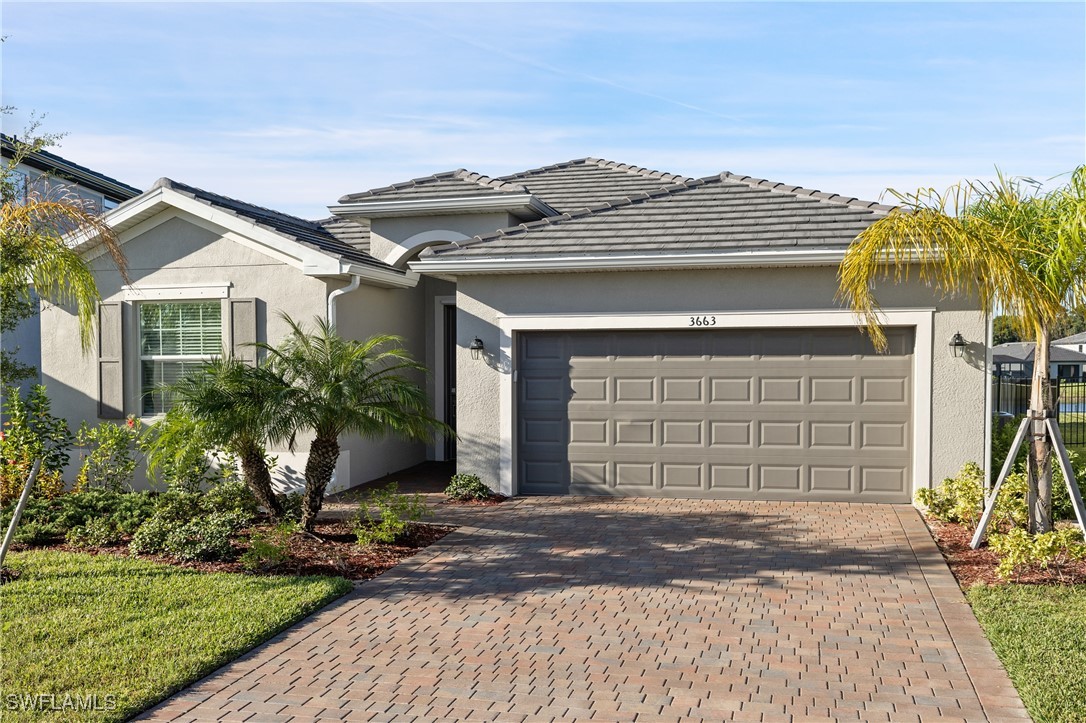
{"x":789,"y":257}
{"x":356,"y":281}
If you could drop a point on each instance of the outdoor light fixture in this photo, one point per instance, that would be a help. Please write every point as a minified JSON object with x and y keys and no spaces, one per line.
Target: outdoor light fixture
{"x":958,"y":344}
{"x":476,"y":347}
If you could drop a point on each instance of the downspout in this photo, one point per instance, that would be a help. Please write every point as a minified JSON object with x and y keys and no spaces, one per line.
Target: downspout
{"x":356,"y":281}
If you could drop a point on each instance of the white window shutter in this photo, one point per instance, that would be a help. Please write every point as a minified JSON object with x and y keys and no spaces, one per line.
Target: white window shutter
{"x":110,"y":360}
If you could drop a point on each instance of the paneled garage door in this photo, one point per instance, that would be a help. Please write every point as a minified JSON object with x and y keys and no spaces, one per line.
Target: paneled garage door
{"x":795,"y":414}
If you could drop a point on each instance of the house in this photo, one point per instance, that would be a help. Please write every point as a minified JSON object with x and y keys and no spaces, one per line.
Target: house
{"x":1015,"y":359}
{"x":1075,"y":342}
{"x":45,"y":173}
{"x":591,"y":327}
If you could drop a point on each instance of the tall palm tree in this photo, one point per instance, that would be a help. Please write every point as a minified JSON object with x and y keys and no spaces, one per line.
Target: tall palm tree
{"x":236,"y":407}
{"x":347,"y":386}
{"x":1003,"y":243}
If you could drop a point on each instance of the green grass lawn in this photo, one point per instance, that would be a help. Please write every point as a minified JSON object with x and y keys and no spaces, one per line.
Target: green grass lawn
{"x":1039,"y":632}
{"x":99,"y":625}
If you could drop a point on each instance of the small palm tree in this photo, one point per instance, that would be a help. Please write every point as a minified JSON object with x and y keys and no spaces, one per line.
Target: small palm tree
{"x":1003,"y":243}
{"x":236,"y":407}
{"x":346,"y":386}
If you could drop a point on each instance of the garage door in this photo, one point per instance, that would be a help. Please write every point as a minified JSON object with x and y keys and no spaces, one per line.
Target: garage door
{"x":744,"y":414}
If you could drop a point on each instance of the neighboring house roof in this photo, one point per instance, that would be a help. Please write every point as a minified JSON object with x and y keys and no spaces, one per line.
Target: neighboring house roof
{"x":563,"y":187}
{"x":586,"y":182}
{"x":1022,"y":352}
{"x":709,"y":215}
{"x":1073,"y":339}
{"x":314,"y":234}
{"x":62,"y":168}
{"x":460,"y":183}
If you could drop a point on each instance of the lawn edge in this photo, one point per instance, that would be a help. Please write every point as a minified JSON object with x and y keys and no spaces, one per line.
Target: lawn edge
{"x":998,"y":697}
{"x":177,"y":693}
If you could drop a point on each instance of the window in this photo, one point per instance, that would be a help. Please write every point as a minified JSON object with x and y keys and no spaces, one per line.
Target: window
{"x":175,"y":339}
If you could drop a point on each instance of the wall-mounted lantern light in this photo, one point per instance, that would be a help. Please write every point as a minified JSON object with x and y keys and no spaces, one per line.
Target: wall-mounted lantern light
{"x":476,"y":347}
{"x":957,"y":345}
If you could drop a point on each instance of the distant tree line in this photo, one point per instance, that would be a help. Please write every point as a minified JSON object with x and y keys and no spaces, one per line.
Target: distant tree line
{"x":1072,"y":322}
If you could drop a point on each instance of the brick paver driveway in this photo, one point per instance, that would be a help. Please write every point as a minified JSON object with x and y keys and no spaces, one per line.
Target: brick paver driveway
{"x":574,"y":608}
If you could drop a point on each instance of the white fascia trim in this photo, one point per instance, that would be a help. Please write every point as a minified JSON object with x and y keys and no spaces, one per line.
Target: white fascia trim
{"x":784,"y":257}
{"x":311,"y":261}
{"x":471,"y":204}
{"x":922,"y":320}
{"x":177,"y":292}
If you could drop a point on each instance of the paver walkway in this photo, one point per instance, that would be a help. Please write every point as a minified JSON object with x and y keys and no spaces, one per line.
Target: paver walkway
{"x":613,"y":610}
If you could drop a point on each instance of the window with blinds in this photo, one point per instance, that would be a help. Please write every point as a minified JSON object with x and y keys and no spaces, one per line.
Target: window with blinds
{"x":175,"y":339}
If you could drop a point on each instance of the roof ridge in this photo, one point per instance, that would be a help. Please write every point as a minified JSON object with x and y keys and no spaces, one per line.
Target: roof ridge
{"x":462,"y":174}
{"x":623,"y":202}
{"x":801,"y":191}
{"x":600,"y":163}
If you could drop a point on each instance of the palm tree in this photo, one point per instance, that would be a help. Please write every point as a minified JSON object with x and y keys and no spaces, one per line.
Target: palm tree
{"x":347,"y":386}
{"x":1004,"y":243}
{"x":234,"y":406}
{"x":38,"y":233}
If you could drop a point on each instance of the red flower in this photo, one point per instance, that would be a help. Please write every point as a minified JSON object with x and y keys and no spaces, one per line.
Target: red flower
{"x":131,"y":423}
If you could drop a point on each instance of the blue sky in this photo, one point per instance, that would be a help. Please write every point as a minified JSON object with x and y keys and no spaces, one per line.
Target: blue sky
{"x":291,"y":105}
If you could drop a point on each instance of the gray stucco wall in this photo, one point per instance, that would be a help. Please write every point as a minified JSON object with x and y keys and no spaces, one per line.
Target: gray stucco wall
{"x":958,"y":385}
{"x":181,"y":252}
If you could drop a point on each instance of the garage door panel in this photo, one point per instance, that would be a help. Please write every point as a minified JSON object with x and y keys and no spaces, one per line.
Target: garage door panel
{"x":714,"y":414}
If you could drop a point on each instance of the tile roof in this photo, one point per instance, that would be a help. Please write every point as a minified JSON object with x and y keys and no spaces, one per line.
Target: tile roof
{"x":590,"y":181}
{"x":460,"y":183}
{"x":1073,"y":339}
{"x":1022,"y":351}
{"x":718,"y":213}
{"x":63,"y":168}
{"x":333,"y":241}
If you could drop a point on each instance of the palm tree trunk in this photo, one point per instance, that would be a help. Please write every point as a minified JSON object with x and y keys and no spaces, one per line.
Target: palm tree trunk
{"x":1042,"y":406}
{"x":258,"y":478}
{"x":319,"y":468}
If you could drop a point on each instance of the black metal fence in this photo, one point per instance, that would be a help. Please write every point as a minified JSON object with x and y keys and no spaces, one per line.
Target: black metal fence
{"x":1010,"y":398}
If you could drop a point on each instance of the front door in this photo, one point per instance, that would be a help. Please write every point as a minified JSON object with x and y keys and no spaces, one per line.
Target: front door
{"x":450,"y":379}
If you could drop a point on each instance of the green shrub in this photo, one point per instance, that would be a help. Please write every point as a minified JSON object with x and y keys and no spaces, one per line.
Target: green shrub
{"x":96,"y":533}
{"x":150,"y":538}
{"x":35,"y":533}
{"x":1019,"y":551}
{"x":231,"y":495}
{"x":125,"y":510}
{"x":292,"y":506}
{"x":179,"y":506}
{"x":177,"y":452}
{"x":204,"y":538}
{"x":394,"y":513}
{"x":110,"y":460}
{"x":957,"y":499}
{"x":269,"y":550}
{"x":467,"y":487}
{"x":31,"y":432}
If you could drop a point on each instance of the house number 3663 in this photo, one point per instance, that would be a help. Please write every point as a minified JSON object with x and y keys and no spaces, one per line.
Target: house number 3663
{"x":702,"y":321}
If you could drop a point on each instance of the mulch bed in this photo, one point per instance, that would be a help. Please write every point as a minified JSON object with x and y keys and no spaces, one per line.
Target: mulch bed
{"x":487,"y":502}
{"x":979,"y":566}
{"x":332,"y":550}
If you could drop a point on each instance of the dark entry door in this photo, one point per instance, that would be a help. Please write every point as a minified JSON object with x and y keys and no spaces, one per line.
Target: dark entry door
{"x":450,"y":379}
